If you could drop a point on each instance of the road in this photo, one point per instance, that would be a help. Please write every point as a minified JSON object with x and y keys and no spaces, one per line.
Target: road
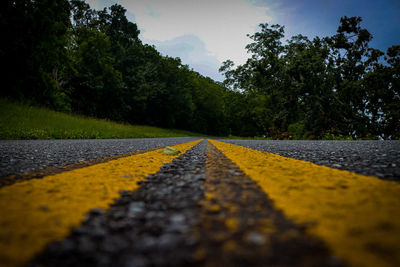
{"x":229,"y":203}
{"x":376,"y":158}
{"x":19,"y":156}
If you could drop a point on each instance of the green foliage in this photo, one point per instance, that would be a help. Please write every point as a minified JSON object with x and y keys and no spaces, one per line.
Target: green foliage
{"x":26,"y":122}
{"x":68,"y":57}
{"x":297,"y":131}
{"x":97,"y":86}
{"x":330,"y":136}
{"x":32,"y":51}
{"x":331,"y":88}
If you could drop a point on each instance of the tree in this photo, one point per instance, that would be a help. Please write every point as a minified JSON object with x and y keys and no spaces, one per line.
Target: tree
{"x":350,"y":50}
{"x":311,"y":88}
{"x":34,"y":51}
{"x":383,"y":84}
{"x":261,"y":78}
{"x":97,"y":87}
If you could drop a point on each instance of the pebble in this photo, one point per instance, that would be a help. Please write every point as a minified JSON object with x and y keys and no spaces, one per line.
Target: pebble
{"x":255,"y":238}
{"x":136,"y":207}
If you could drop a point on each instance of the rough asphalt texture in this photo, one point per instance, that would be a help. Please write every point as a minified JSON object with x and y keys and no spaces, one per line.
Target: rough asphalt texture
{"x":239,"y":225}
{"x":144,"y":228}
{"x":376,"y":158}
{"x":167,"y":223}
{"x":22,"y":156}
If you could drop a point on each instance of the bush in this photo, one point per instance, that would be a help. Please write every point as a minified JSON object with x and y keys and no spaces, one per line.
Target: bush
{"x":296,"y":130}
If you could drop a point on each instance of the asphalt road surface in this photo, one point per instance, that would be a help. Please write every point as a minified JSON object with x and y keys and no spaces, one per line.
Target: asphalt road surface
{"x":214,"y":204}
{"x":376,"y":158}
{"x":21,"y":156}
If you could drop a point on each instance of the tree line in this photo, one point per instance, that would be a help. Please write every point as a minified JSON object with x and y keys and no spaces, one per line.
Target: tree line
{"x":66,"y":56}
{"x":331,"y":86}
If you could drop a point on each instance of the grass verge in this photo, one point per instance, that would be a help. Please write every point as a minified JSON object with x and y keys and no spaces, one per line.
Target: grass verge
{"x":19,"y":121}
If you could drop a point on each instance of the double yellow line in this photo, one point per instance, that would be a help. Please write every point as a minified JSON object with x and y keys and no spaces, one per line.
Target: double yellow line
{"x":357,"y":216}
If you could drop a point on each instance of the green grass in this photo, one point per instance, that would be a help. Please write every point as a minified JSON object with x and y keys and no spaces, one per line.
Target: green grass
{"x":19,"y":121}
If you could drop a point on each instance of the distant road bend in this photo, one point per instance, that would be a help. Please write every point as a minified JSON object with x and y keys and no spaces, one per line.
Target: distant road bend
{"x":218,"y":202}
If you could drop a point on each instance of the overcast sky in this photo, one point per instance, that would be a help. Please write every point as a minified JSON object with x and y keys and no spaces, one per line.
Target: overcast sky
{"x":204,"y":33}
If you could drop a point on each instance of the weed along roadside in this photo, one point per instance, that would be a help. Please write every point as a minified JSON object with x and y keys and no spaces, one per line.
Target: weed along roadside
{"x":19,"y":121}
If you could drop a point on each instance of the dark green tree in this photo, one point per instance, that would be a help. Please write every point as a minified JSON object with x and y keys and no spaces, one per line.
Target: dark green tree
{"x":34,"y":53}
{"x":313,"y":88}
{"x":350,"y":53}
{"x":383,"y":89}
{"x":97,"y":87}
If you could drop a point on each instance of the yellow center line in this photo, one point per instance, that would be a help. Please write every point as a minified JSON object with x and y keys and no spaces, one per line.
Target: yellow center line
{"x":357,"y":216}
{"x":36,"y":212}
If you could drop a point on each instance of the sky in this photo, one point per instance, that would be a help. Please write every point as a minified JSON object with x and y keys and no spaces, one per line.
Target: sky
{"x":204,"y":33}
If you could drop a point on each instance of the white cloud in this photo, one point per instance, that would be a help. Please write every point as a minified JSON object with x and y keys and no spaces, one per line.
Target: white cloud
{"x":191,"y":50}
{"x":221,"y":25}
